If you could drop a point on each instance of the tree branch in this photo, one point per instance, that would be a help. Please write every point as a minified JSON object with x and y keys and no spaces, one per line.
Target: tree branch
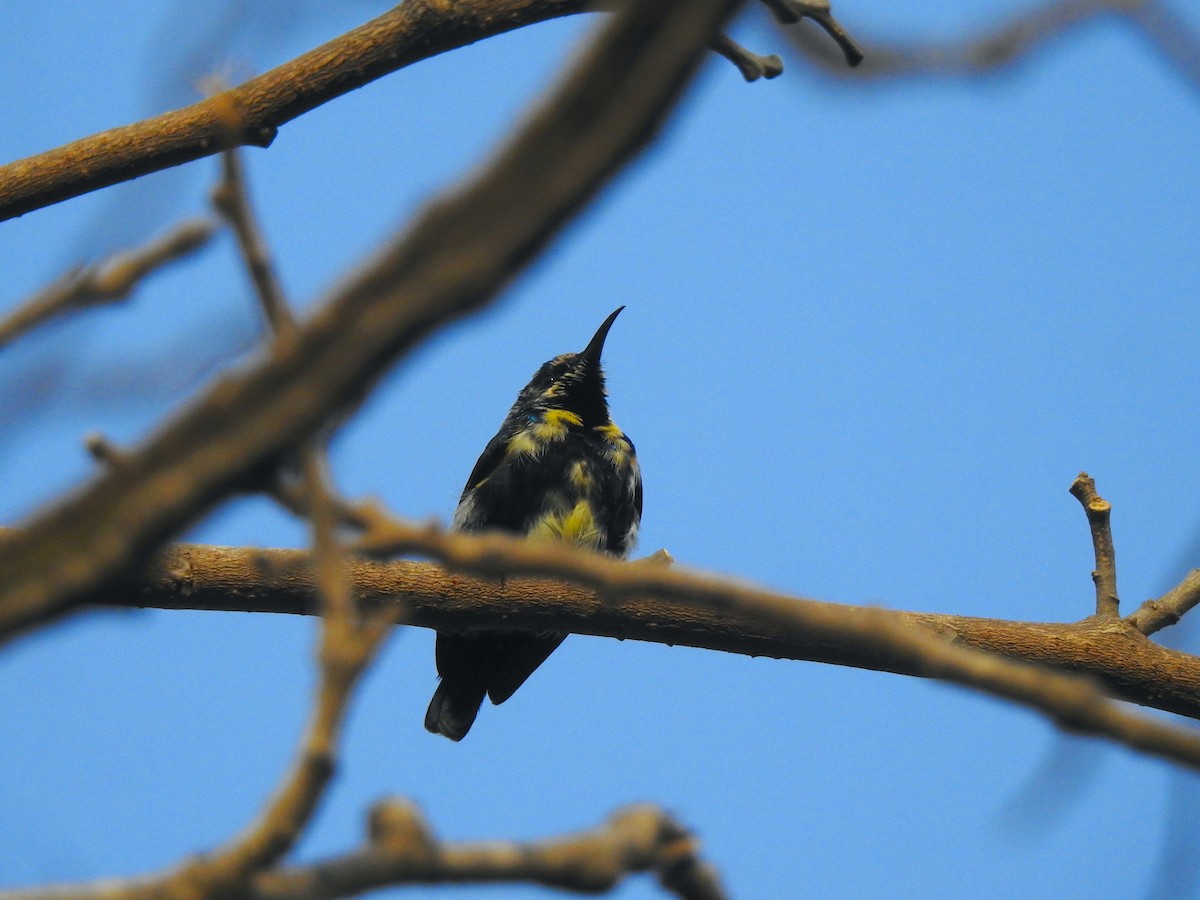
{"x":278,"y":581}
{"x":464,"y":247}
{"x":1104,"y":575}
{"x":410,"y":32}
{"x":401,"y":850}
{"x":1007,"y":43}
{"x":107,"y":281}
{"x":1156,"y":614}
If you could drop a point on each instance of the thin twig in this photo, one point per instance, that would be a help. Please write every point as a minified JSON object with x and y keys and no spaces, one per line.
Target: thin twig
{"x":753,"y":66}
{"x":107,"y":281}
{"x":1098,"y":512}
{"x":231,"y":198}
{"x":1008,"y":43}
{"x":346,"y":649}
{"x":346,"y":645}
{"x":788,"y":12}
{"x":1156,"y":614}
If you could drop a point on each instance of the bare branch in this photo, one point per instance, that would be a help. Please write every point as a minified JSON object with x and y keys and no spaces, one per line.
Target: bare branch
{"x":750,"y":64}
{"x":409,"y":33}
{"x":1072,"y":702}
{"x":191,"y":576}
{"x":347,"y":646}
{"x":107,"y":281}
{"x":453,"y":261}
{"x":788,"y":12}
{"x":1008,"y":43}
{"x":1098,"y":512}
{"x":666,"y":605}
{"x":402,"y":850}
{"x":231,"y":198}
{"x":1154,"y":615}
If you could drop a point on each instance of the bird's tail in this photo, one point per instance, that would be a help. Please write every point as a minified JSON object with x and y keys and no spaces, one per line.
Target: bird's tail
{"x":453,"y":709}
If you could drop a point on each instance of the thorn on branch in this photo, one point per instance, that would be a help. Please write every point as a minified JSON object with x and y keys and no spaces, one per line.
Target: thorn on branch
{"x":788,"y":12}
{"x":103,"y":450}
{"x":752,"y":65}
{"x":1104,"y":575}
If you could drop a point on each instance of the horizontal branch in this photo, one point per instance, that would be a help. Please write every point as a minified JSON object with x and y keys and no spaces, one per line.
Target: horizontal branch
{"x":191,"y":576}
{"x":402,"y":850}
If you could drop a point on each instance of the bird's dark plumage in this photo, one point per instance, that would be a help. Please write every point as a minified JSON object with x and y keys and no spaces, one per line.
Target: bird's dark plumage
{"x":559,"y":469}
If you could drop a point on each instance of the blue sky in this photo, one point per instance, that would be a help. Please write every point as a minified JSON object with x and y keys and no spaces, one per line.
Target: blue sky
{"x":872,"y":335}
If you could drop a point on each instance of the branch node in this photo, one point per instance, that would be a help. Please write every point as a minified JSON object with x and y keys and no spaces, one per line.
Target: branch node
{"x":659,"y":557}
{"x":789,"y":12}
{"x":102,"y":450}
{"x":752,"y":65}
{"x":396,"y":824}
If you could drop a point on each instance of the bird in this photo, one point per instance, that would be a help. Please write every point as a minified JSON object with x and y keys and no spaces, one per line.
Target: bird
{"x":558,"y":469}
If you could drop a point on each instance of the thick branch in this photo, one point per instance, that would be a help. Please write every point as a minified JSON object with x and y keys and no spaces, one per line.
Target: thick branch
{"x":190,"y":576}
{"x":462,"y":250}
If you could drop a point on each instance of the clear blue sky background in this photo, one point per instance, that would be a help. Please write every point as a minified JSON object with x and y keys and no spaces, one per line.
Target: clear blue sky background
{"x":871,"y":337}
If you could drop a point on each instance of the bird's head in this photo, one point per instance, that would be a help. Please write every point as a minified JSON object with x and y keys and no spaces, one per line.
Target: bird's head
{"x":573,"y":381}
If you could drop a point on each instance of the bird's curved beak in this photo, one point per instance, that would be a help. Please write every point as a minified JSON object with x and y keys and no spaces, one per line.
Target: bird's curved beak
{"x":591,"y":353}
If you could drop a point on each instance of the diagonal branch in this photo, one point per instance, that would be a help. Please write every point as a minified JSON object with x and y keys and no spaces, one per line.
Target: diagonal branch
{"x":412,"y":31}
{"x":454,"y":260}
{"x":1156,"y":614}
{"x":107,"y":281}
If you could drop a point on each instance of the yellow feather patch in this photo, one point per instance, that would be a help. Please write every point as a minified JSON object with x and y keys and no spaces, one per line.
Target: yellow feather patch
{"x":618,"y":445}
{"x":577,"y":525}
{"x":554,"y":424}
{"x":563,"y":415}
{"x":522,"y":443}
{"x":580,"y":477}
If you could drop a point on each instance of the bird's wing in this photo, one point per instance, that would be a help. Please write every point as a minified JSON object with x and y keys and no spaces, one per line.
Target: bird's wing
{"x":491,"y":458}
